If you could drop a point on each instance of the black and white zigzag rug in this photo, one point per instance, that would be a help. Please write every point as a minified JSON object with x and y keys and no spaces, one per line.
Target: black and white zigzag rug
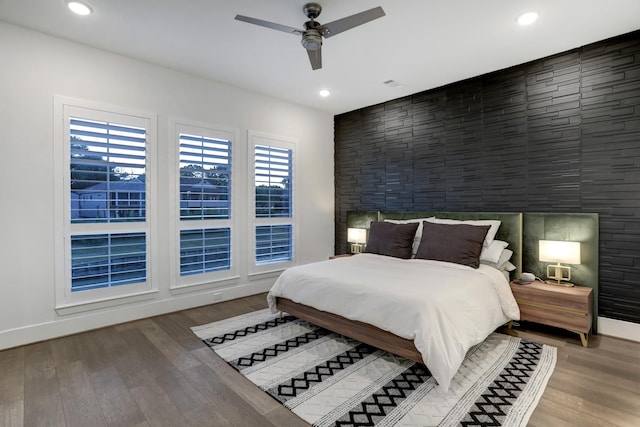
{"x":327,"y":379}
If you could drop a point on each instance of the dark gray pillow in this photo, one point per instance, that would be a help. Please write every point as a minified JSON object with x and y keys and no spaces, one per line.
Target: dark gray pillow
{"x":386,"y":238}
{"x":459,"y":243}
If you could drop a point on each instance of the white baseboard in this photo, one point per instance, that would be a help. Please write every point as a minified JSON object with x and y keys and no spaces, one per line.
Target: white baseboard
{"x":124,"y":313}
{"x":619,"y":329}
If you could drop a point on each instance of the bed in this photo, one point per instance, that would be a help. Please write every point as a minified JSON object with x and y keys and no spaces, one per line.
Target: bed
{"x":427,"y":310}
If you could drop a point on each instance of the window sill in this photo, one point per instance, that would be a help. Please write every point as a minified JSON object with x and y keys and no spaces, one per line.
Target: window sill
{"x":80,"y":307}
{"x":213,"y":284}
{"x":266,"y":274}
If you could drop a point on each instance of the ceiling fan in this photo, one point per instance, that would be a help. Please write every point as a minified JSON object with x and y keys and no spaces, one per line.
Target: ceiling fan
{"x":314,"y":31}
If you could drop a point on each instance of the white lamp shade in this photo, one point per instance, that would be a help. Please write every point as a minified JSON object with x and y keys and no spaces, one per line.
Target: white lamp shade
{"x":559,"y":251}
{"x":357,"y":235}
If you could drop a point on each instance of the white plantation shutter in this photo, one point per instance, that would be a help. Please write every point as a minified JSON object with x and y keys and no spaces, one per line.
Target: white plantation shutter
{"x":105,"y":260}
{"x":273,"y":175}
{"x":205,"y":177}
{"x":273,"y":202}
{"x":274,"y":243}
{"x":205,"y":211}
{"x":107,"y":241}
{"x":107,"y":165}
{"x":204,"y":250}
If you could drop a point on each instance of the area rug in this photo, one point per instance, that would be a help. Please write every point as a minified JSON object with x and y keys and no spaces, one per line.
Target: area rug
{"x":329,"y":380}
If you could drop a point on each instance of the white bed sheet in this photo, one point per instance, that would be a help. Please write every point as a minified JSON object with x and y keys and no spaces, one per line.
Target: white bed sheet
{"x":444,"y":308}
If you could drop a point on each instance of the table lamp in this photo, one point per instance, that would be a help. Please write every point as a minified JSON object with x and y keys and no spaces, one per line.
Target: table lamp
{"x":559,"y":252}
{"x":357,"y":237}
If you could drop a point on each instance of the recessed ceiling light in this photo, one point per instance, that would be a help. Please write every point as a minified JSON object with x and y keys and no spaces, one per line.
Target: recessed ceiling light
{"x":79,"y":8}
{"x":527,"y":18}
{"x":324,"y":93}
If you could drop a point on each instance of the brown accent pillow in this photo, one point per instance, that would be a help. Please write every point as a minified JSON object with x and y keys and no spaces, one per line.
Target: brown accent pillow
{"x":386,"y":238}
{"x":459,"y":243}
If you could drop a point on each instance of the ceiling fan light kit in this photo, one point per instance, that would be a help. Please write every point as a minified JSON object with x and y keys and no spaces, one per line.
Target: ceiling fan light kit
{"x":314,"y":31}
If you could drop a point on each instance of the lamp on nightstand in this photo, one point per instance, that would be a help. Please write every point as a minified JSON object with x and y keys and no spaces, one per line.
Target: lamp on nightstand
{"x":559,"y":252}
{"x":357,"y":237}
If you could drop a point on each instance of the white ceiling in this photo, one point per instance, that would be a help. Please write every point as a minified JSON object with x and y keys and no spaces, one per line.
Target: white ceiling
{"x":420,"y":44}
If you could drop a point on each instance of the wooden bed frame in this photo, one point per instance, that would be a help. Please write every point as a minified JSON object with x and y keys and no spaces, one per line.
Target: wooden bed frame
{"x":360,"y":331}
{"x":510,"y":230}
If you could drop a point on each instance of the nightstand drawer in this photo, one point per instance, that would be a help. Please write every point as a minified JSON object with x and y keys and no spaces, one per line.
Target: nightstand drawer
{"x":578,"y":303}
{"x":554,"y":316}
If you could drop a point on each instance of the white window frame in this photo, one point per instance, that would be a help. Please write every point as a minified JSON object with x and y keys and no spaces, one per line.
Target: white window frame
{"x":256,"y":138}
{"x":212,"y":279}
{"x":66,"y":301}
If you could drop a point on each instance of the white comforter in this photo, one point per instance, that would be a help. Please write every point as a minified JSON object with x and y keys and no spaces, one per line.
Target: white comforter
{"x":444,"y":308}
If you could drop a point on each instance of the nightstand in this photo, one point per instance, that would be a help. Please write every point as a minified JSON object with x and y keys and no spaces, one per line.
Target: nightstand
{"x":566,"y":308}
{"x":339,"y":256}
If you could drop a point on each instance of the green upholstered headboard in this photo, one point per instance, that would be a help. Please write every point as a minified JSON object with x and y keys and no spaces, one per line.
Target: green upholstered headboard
{"x":510,"y":229}
{"x":523,"y":231}
{"x":577,"y":227}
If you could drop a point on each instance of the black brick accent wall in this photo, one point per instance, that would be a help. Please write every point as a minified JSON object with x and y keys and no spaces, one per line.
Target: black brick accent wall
{"x":561,"y":134}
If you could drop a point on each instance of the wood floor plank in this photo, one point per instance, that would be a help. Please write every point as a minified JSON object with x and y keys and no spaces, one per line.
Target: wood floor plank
{"x":174,"y":325}
{"x":95,"y":354}
{"x":605,"y":371}
{"x":42,"y":399}
{"x":66,"y":349}
{"x":118,"y":406}
{"x":81,"y":407}
{"x":12,"y":413}
{"x":148,"y":359}
{"x":156,"y":406}
{"x":131,"y":368}
{"x":174,"y":352}
{"x":227,"y":403}
{"x":181,"y":391}
{"x":590,"y":391}
{"x":12,"y":386}
{"x":207,"y":416}
{"x":598,"y":411}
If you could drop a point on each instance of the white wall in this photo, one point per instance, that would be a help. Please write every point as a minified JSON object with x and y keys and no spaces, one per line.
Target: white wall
{"x":33,"y":68}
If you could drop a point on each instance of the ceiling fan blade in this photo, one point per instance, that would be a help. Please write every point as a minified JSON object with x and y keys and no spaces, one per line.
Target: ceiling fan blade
{"x":344,"y":24}
{"x":268,"y":24}
{"x":315,"y":57}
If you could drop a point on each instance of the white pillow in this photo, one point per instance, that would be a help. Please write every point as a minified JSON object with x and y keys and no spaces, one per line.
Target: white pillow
{"x":507,"y":266}
{"x":491,"y":234}
{"x":418,"y":236}
{"x":504,"y":258}
{"x":492,"y":252}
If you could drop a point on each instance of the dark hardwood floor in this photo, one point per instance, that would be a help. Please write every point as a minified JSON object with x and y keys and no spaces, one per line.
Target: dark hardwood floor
{"x":155,"y":372}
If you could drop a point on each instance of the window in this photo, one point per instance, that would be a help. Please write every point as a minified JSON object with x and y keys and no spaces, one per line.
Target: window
{"x":107,"y":176}
{"x":205,"y":250}
{"x":273,"y":173}
{"x":103,"y":260}
{"x":273,"y":177}
{"x":107,"y":171}
{"x":273,"y":243}
{"x":205,"y":208}
{"x":105,"y":192}
{"x":205,"y":177}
